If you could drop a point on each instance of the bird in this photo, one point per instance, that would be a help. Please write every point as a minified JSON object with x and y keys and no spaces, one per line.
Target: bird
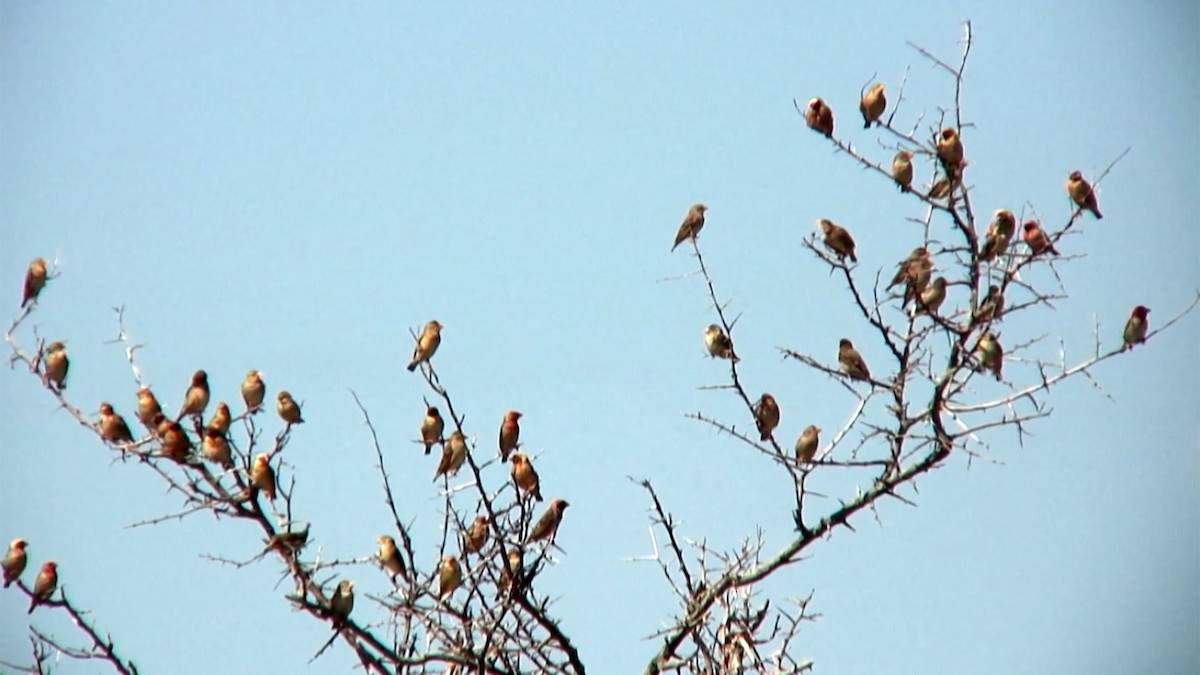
{"x":1037,"y":239}
{"x":390,"y":559}
{"x":57,"y":365}
{"x":288,"y":409}
{"x":514,"y":572}
{"x":1082,"y":193}
{"x":427,"y":345}
{"x":476,"y":535}
{"x":838,"y":239}
{"x":819,"y":117}
{"x":510,"y":433}
{"x":806,"y":445}
{"x":44,"y":585}
{"x":14,"y":561}
{"x":254,"y":390}
{"x":449,"y":576}
{"x":852,"y":362}
{"x":289,"y":540}
{"x":950,"y":150}
{"x":930,"y":299}
{"x":216,"y":448}
{"x":902,"y":170}
{"x":113,"y":427}
{"x":872,"y":105}
{"x":196,"y":398}
{"x":766,"y":416}
{"x":546,"y":527}
{"x":176,"y":445}
{"x":431,"y":428}
{"x":220,"y":419}
{"x":992,"y":305}
{"x":341,"y":604}
{"x":262,"y":477}
{"x":693,"y":222}
{"x":1000,"y":233}
{"x":147,"y":408}
{"x":718,"y":343}
{"x":454,"y":453}
{"x":525,"y":476}
{"x":1136,"y":327}
{"x":914,"y":272}
{"x":991,"y":354}
{"x":35,"y":281}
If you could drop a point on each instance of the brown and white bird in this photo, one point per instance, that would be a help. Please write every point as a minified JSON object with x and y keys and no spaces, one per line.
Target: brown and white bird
{"x":427,"y":345}
{"x":838,"y":239}
{"x":35,"y":281}
{"x":991,"y":354}
{"x":693,"y":222}
{"x":914,"y":272}
{"x":57,"y":365}
{"x":930,"y":299}
{"x":288,"y":409}
{"x":1000,"y":234}
{"x":902,"y":170}
{"x":432,"y":428}
{"x":220,"y":420}
{"x":766,"y":416}
{"x":254,"y":390}
{"x":1082,"y":194}
{"x":390,"y":559}
{"x":510,"y":433}
{"x":341,"y":604}
{"x":195,"y":400}
{"x":216,"y":448}
{"x":44,"y":585}
{"x":449,"y":576}
{"x":113,"y":427}
{"x":950,"y":151}
{"x":1137,"y":326}
{"x":476,"y":535}
{"x":147,"y":408}
{"x":14,"y":561}
{"x":525,"y":476}
{"x":819,"y":117}
{"x":872,"y":105}
{"x":546,"y":527}
{"x":806,"y":445}
{"x":454,"y":453}
{"x":852,"y":362}
{"x":1037,"y":239}
{"x":262,"y":477}
{"x":718,"y":343}
{"x":992,"y":305}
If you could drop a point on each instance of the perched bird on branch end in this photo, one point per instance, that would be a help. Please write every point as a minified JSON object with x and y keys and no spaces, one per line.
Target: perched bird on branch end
{"x":546,"y":527}
{"x":35,"y":281}
{"x":718,"y":343}
{"x":524,"y":475}
{"x":950,"y":151}
{"x":902,"y":170}
{"x":510,"y":433}
{"x":872,"y":105}
{"x":1037,"y":239}
{"x":806,"y":445}
{"x":432,"y":428}
{"x":288,"y":409}
{"x":56,"y":365}
{"x":44,"y":585}
{"x":693,"y":222}
{"x":1137,"y":326}
{"x":766,"y":416}
{"x":838,"y":239}
{"x":819,"y":117}
{"x":14,"y":561}
{"x":852,"y":362}
{"x":195,"y":400}
{"x":254,"y":390}
{"x":427,"y":345}
{"x":1083,"y":195}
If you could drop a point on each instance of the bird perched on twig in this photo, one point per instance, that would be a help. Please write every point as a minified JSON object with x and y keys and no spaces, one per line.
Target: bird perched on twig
{"x":819,"y":117}
{"x":1082,"y":194}
{"x":693,"y":222}
{"x":872,"y":105}
{"x":427,"y":345}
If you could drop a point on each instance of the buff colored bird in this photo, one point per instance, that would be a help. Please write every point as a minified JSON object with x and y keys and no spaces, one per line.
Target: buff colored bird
{"x":44,"y":585}
{"x":693,"y":222}
{"x":476,"y":535}
{"x":838,"y":239}
{"x":852,"y":362}
{"x":449,"y":576}
{"x":872,"y":105}
{"x":992,"y":306}
{"x":1000,"y":234}
{"x":510,"y":433}
{"x":930,"y":299}
{"x":427,"y":345}
{"x":288,"y":409}
{"x":14,"y":561}
{"x":216,"y":448}
{"x":546,"y":527}
{"x":902,"y":170}
{"x":718,"y":343}
{"x":525,"y":476}
{"x":195,"y":401}
{"x":914,"y":272}
{"x":806,"y":445}
{"x":1082,"y":194}
{"x":341,"y":604}
{"x":766,"y":416}
{"x":390,"y":559}
{"x":56,"y":365}
{"x":176,"y":445}
{"x":254,"y":390}
{"x":220,"y":420}
{"x":991,"y":354}
{"x":262,"y":477}
{"x":514,"y":570}
{"x":950,"y":151}
{"x":148,"y":408}
{"x":819,"y":117}
{"x":432,"y":428}
{"x":113,"y":427}
{"x":1037,"y":239}
{"x":35,"y":281}
{"x":454,"y":453}
{"x":1136,"y":327}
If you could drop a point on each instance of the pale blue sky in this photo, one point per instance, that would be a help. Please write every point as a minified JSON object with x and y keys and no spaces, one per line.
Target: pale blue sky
{"x":293,"y":186}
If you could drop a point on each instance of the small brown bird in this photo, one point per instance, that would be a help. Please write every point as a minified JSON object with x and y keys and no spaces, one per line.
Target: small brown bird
{"x":992,"y":305}
{"x":766,"y":416}
{"x":431,"y":428}
{"x":113,"y":427}
{"x":1037,"y":239}
{"x":216,"y":448}
{"x":196,"y":398}
{"x":449,"y":576}
{"x":806,"y":445}
{"x":288,"y":409}
{"x":44,"y":585}
{"x":1137,"y":326}
{"x":991,"y":354}
{"x":427,"y":345}
{"x":852,"y":362}
{"x":160,"y":424}
{"x":289,"y":540}
{"x":390,"y":559}
{"x":525,"y":476}
{"x":220,"y":419}
{"x":930,"y":299}
{"x":950,"y":151}
{"x":254,"y":390}
{"x":476,"y":535}
{"x":914,"y":272}
{"x":718,"y":343}
{"x":546,"y":527}
{"x":514,"y":570}
{"x":147,"y":408}
{"x":262,"y":477}
{"x":341,"y":604}
{"x":872,"y":105}
{"x":176,"y":445}
{"x":1000,"y":233}
{"x":454,"y":453}
{"x":819,"y":117}
{"x":693,"y":222}
{"x":56,"y":365}
{"x":902,"y":170}
{"x":35,"y":281}
{"x":838,"y":239}
{"x":510,"y":433}
{"x":14,"y":561}
{"x":1083,"y":195}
